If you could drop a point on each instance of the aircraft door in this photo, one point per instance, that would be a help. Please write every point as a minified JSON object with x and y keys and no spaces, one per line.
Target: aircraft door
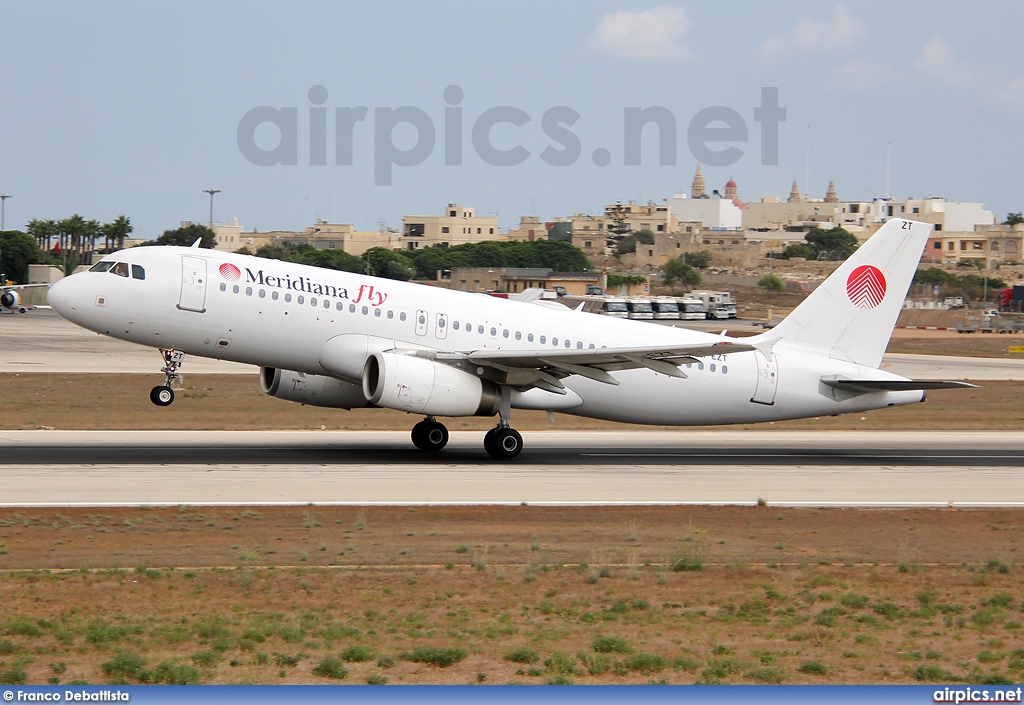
{"x":193,"y":284}
{"x":767,"y":379}
{"x":421,"y":322}
{"x":441,"y":326}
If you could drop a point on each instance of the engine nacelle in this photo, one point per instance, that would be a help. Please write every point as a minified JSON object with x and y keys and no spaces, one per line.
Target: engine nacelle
{"x":422,"y":386}
{"x":315,"y":390}
{"x":12,"y":299}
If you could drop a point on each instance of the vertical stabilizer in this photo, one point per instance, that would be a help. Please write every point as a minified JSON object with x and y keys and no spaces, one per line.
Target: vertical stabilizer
{"x":852,"y":314}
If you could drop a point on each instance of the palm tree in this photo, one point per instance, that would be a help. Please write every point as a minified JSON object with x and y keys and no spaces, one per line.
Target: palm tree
{"x":115,"y":232}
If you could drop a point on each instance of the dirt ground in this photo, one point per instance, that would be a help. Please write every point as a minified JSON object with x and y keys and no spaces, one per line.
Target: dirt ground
{"x":583,"y":595}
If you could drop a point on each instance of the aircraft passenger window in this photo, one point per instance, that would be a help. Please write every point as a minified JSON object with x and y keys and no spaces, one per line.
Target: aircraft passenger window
{"x":529,"y":337}
{"x":300,"y":299}
{"x":391,"y":314}
{"x":101,"y":266}
{"x":376,"y":312}
{"x":340,"y":306}
{"x":591,"y":346}
{"x":120,"y":269}
{"x":440,"y":322}
{"x":365,"y":310}
{"x":554,"y":341}
{"x":494,"y":331}
{"x":712,"y":367}
{"x":248,"y":291}
{"x":568,"y":343}
{"x":455,"y":325}
{"x":401,"y":316}
{"x":351,"y":308}
{"x":287,"y":298}
{"x":543,"y":339}
{"x":327,"y":304}
{"x":263,"y":293}
{"x":700,"y":365}
{"x":421,"y":319}
{"x":312,"y":301}
{"x":273,"y":295}
{"x":725,"y":369}
{"x":519,"y":336}
{"x":234,"y":289}
{"x":480,"y":330}
{"x":138,"y":272}
{"x":504,"y":333}
{"x":579,"y":345}
{"x":223,"y":286}
{"x":469,"y":327}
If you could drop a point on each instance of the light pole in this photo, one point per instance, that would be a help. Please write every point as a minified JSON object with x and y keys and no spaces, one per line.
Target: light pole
{"x":3,"y":203}
{"x":211,"y":191}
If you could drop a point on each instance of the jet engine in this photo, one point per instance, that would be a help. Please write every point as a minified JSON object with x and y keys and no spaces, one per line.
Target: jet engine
{"x":12,"y":300}
{"x":422,"y":386}
{"x":315,"y":390}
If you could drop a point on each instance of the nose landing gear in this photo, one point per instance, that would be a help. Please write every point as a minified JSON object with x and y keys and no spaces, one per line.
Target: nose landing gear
{"x":163,"y":395}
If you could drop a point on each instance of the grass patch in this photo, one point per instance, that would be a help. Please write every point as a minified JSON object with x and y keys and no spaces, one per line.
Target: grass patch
{"x":331,"y":668}
{"x":435,"y":655}
{"x":522,"y":655}
{"x":611,"y":645}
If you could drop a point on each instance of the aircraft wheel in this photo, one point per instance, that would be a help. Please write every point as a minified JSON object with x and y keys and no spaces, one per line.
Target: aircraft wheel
{"x":503,"y":443}
{"x":429,"y":435}
{"x":161,"y":396}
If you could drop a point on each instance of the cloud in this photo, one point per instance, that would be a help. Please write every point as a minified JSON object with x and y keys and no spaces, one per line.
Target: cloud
{"x":840,"y":31}
{"x":935,"y":68}
{"x":644,"y":35}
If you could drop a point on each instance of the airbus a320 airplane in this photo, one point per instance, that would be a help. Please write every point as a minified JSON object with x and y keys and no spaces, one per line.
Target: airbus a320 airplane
{"x":343,"y":340}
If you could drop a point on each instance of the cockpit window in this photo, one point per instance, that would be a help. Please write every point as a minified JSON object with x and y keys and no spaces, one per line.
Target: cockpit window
{"x":138,"y":272}
{"x":120,"y":269}
{"x":101,"y":266}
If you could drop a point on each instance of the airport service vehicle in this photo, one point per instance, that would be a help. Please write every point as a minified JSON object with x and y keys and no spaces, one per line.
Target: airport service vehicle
{"x":640,"y":309}
{"x":666,"y":308}
{"x":692,"y":309}
{"x":344,"y":340}
{"x":717,"y":304}
{"x":616,"y":308}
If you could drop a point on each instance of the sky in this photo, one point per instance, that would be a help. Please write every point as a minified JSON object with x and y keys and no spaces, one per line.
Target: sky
{"x":112,"y":108}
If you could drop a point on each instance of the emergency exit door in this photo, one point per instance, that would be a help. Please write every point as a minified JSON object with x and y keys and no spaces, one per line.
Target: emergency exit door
{"x":193,"y":284}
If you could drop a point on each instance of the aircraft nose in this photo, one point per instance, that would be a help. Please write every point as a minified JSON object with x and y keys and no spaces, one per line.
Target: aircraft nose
{"x":64,"y":296}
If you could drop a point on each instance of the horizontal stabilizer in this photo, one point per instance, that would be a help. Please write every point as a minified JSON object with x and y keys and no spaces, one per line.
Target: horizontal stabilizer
{"x":891,"y":385}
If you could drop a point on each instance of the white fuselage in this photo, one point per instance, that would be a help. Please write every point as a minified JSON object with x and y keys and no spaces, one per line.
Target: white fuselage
{"x":280,"y":314}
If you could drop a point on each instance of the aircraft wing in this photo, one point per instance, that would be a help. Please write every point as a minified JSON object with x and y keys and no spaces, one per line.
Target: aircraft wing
{"x":544,"y":368}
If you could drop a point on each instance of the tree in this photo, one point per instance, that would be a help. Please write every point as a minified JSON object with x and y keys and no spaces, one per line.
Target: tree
{"x":619,"y":224}
{"x":330,"y":259}
{"x":772,"y":282}
{"x":17,"y":251}
{"x":115,"y":232}
{"x":188,"y":234}
{"x":273,"y":252}
{"x":628,"y":243}
{"x":43,"y":231}
{"x":798,"y":250}
{"x":678,"y":271}
{"x":389,"y":264}
{"x":1014,"y":218}
{"x":832,"y":244}
{"x":933,"y":276}
{"x":699,"y":259}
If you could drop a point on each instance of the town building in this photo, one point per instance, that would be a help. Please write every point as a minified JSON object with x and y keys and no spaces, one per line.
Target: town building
{"x":457,"y":226}
{"x":516,"y":279}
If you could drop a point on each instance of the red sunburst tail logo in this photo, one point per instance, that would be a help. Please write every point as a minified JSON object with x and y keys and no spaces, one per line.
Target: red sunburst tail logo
{"x":866,"y":286}
{"x":230,"y":272}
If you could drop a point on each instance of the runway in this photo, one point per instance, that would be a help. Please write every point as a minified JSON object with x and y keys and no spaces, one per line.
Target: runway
{"x":636,"y":467}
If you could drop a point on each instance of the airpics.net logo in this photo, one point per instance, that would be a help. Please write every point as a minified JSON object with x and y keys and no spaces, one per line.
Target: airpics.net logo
{"x":502,"y":135}
{"x":230,"y":272}
{"x":866,"y":286}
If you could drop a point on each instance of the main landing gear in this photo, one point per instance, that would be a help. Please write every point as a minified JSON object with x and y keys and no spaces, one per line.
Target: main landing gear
{"x":502,"y":442}
{"x":163,"y":395}
{"x":429,"y":434}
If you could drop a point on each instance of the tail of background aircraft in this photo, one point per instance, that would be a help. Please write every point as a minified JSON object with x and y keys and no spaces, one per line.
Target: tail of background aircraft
{"x":852,"y":314}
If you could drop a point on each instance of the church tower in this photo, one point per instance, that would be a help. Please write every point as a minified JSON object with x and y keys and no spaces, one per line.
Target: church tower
{"x":697,"y":189}
{"x":794,"y":194}
{"x":830,"y":196}
{"x":730,"y":190}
